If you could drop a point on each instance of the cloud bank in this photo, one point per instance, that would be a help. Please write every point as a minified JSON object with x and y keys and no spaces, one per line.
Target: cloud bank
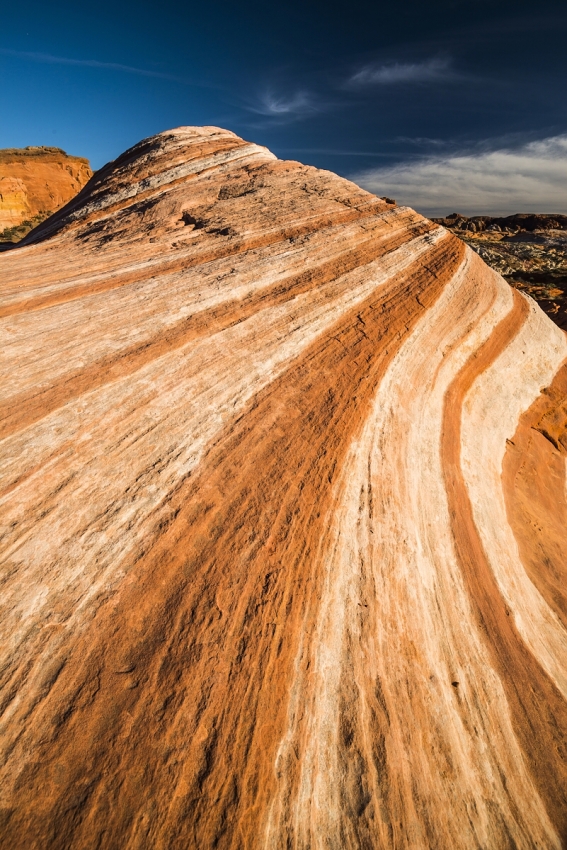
{"x":532,"y":178}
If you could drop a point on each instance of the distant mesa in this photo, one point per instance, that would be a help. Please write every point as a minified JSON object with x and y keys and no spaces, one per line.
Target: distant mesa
{"x":34,"y":183}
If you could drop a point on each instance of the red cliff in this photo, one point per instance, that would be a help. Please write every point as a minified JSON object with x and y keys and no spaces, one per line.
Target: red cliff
{"x":35,"y":182}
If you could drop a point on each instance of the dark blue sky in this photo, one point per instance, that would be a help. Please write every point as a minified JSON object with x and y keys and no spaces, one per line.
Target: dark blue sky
{"x":402,"y":96}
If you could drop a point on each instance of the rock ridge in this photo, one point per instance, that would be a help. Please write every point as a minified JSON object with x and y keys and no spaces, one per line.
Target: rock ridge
{"x":283,"y":488}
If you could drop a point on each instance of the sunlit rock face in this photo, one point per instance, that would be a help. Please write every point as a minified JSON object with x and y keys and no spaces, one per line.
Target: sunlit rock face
{"x":284,"y":519}
{"x":36,"y":181}
{"x":14,"y":205}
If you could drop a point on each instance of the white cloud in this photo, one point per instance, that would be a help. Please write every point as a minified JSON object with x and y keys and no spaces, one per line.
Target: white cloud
{"x":418,"y":72}
{"x":284,"y":106}
{"x":532,"y":178}
{"x":277,"y":109}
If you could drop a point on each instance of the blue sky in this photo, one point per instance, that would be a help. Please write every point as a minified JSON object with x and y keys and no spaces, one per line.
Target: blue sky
{"x":447,"y":105}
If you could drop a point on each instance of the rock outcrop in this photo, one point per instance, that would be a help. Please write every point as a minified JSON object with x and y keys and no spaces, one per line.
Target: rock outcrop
{"x":284,"y":521}
{"x":35,"y":182}
{"x":528,"y":249}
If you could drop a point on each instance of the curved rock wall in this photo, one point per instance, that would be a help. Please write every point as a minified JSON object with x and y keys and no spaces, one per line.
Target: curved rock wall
{"x":283,"y":550}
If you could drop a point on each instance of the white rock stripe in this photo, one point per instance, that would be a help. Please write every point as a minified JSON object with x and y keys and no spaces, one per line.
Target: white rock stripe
{"x":491,"y":413}
{"x":400,"y":565}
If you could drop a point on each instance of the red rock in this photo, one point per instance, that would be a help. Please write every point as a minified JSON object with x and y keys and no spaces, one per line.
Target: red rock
{"x":14,"y":205}
{"x":270,"y":575}
{"x":34,"y":182}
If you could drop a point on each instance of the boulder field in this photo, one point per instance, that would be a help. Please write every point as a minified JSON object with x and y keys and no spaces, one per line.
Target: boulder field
{"x":528,"y":250}
{"x":283,"y":521}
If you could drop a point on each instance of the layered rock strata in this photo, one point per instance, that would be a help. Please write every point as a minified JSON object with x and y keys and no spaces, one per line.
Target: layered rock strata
{"x":35,"y":182}
{"x":283,"y":521}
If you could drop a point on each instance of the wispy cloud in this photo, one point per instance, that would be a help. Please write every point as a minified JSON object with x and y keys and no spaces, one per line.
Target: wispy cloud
{"x":433,"y":70}
{"x":422,"y":141}
{"x":49,"y":59}
{"x":528,"y":178}
{"x":284,"y":106}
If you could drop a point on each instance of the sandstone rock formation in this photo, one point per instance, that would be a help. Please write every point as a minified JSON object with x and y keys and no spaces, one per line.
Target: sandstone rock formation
{"x":528,"y":250}
{"x":14,"y":204}
{"x":34,"y":182}
{"x":284,"y":519}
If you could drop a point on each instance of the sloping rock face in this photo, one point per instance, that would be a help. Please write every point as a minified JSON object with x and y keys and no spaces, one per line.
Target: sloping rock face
{"x":284,"y":519}
{"x":34,"y":182}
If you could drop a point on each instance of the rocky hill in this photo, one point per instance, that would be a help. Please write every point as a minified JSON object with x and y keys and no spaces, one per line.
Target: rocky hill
{"x":34,"y":183}
{"x":284,"y":521}
{"x":529,"y":250}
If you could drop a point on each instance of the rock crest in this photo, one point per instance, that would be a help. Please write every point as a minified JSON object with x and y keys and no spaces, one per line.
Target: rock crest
{"x":278,"y":463}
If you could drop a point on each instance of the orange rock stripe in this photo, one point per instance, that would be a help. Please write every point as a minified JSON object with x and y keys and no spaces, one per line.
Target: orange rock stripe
{"x":224,"y":251}
{"x":533,"y":476}
{"x":178,"y":693}
{"x":20,"y":412}
{"x":217,"y":146}
{"x":538,"y":711}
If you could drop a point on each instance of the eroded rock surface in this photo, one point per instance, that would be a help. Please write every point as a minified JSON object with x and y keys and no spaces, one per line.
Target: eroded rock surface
{"x":278,"y":465}
{"x":35,"y":182}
